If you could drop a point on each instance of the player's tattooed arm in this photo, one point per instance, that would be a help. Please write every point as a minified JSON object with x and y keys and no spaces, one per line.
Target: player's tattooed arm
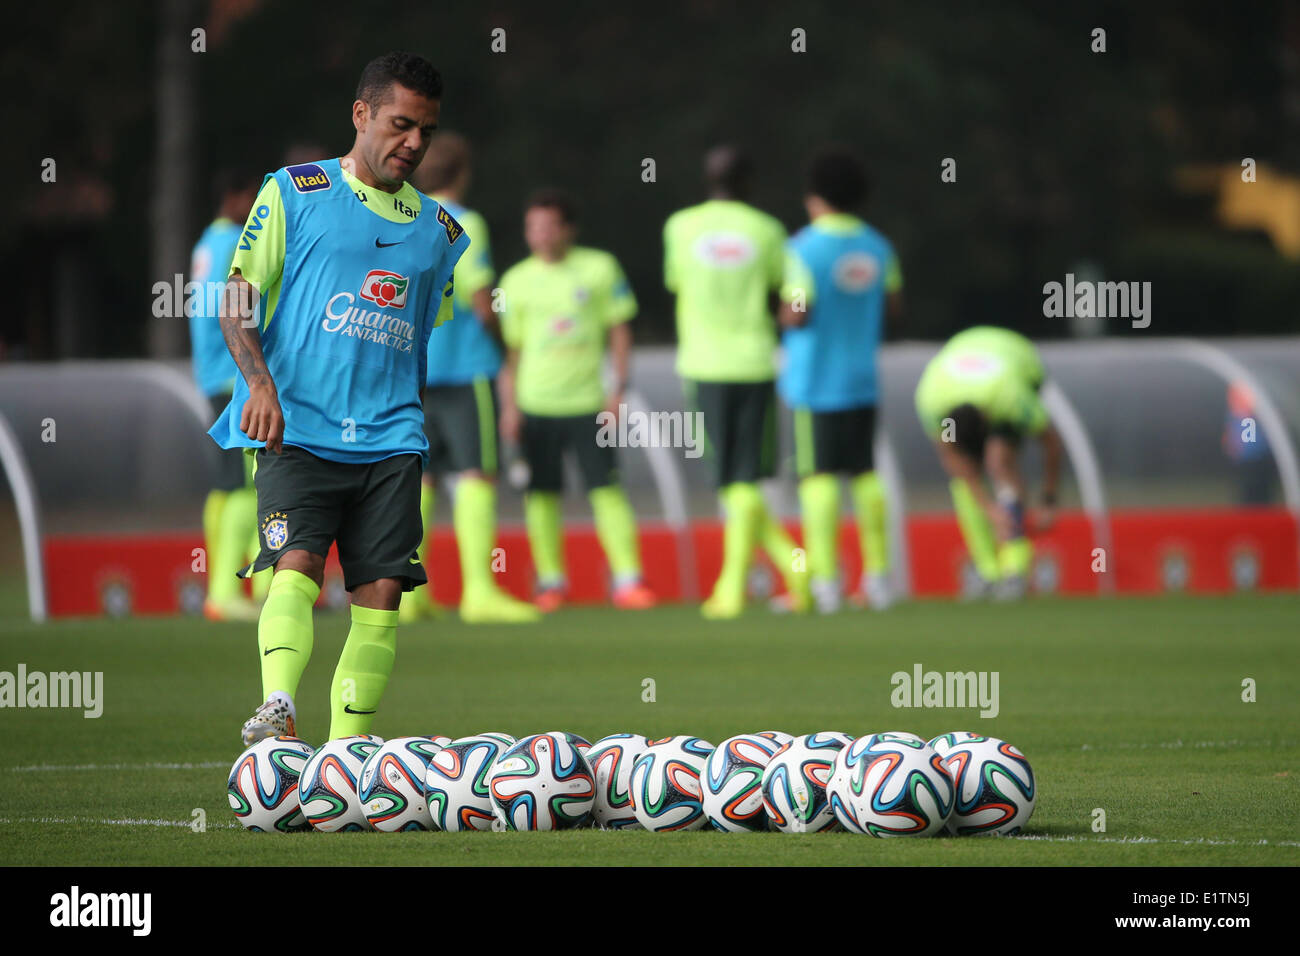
{"x":262,"y":418}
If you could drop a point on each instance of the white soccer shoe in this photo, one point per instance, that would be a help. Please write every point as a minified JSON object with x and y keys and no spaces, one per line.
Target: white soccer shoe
{"x":877,"y":592}
{"x":826,"y":596}
{"x":272,"y":719}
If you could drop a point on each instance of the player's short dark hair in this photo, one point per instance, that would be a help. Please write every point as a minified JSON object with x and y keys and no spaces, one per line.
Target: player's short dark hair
{"x":447,"y":159}
{"x":837,"y":175}
{"x":970,"y":430}
{"x":728,"y":169}
{"x":557,"y":199}
{"x":235,"y":179}
{"x":409,"y":69}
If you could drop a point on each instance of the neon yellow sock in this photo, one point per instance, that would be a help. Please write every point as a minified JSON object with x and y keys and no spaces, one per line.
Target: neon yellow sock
{"x":1015,"y":558}
{"x":238,"y":523}
{"x":742,"y":503}
{"x":975,"y":529}
{"x":873,"y":526}
{"x":212,"y":508}
{"x":475,"y":516}
{"x":363,"y":671}
{"x":545,"y":539}
{"x":616,"y":529}
{"x":819,"y":497}
{"x":284,"y":631}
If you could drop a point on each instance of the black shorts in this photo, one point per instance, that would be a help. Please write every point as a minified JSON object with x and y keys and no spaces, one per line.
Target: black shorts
{"x":739,"y":428}
{"x":837,"y":442}
{"x":545,"y":438}
{"x":232,"y":465}
{"x":372,"y":510}
{"x":461,"y":424}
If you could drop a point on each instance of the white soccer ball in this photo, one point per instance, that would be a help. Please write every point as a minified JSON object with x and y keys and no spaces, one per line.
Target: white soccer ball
{"x":665,"y":782}
{"x":391,"y":785}
{"x":732,"y":783}
{"x":779,"y":737}
{"x":542,"y":783}
{"x":263,"y":785}
{"x":611,"y":759}
{"x":890,"y":786}
{"x":794,"y":783}
{"x":327,"y":789}
{"x":456,"y":783}
{"x":581,"y":743}
{"x":994,"y":784}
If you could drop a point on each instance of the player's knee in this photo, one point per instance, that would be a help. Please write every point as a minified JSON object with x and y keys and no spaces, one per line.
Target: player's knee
{"x":384,"y":594}
{"x":304,"y":562}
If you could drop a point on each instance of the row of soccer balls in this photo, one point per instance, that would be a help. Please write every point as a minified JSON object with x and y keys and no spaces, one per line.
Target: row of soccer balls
{"x":888,"y":784}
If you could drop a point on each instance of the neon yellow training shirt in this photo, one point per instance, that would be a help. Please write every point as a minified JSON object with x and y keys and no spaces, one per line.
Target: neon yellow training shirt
{"x":723,"y":258}
{"x":558,"y":315}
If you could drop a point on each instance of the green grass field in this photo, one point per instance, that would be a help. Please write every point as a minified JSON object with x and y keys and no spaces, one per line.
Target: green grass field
{"x":1130,"y":705}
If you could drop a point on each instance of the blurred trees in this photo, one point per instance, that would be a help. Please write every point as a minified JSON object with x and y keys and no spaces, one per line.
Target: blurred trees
{"x":1063,"y":155}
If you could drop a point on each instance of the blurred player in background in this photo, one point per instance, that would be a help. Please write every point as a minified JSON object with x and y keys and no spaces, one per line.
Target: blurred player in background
{"x":460,"y":404}
{"x":978,"y":399}
{"x":723,"y":260}
{"x":559,"y":308}
{"x":841,"y":277}
{"x":354,"y":268}
{"x":230,"y":510}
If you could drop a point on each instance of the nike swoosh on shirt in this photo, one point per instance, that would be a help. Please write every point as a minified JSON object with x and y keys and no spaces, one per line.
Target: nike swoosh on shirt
{"x":347,"y":709}
{"x":270,"y":649}
{"x":385,"y":245}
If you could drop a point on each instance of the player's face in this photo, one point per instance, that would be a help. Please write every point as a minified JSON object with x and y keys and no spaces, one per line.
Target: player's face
{"x":395,"y":137}
{"x":547,"y":234}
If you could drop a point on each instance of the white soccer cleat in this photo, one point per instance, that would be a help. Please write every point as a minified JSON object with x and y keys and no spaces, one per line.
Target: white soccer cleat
{"x":877,"y":592}
{"x":826,"y":596}
{"x":272,"y":719}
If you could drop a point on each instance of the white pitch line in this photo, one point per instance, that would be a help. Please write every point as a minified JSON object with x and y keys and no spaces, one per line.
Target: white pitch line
{"x":1187,"y":744}
{"x":1201,"y":841}
{"x":82,"y":821}
{"x":48,"y":768}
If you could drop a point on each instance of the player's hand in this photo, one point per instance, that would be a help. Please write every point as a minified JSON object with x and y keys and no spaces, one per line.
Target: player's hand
{"x":612,"y":405}
{"x":511,"y":422}
{"x":262,"y":420}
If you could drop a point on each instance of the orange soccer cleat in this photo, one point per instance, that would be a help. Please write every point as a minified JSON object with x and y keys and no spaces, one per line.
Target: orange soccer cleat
{"x":634,"y":597}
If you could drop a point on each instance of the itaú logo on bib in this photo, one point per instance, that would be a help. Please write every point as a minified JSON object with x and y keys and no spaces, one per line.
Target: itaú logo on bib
{"x":385,"y":288}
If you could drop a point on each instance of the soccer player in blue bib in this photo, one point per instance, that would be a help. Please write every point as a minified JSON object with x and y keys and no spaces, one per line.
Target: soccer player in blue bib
{"x":230,"y":510}
{"x":841,"y":278}
{"x":352,"y":267}
{"x":460,"y":403}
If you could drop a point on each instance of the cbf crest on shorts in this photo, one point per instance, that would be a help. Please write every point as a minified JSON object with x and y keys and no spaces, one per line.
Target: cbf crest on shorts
{"x":275,"y":530}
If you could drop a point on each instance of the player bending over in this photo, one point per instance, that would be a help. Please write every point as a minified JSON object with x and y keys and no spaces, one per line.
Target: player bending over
{"x":559,"y":306}
{"x":978,"y":399}
{"x":353,"y":266}
{"x":841,"y":277}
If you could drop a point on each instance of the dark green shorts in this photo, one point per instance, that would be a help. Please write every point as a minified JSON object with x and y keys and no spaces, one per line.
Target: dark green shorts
{"x":545,"y":439}
{"x":232,"y":471}
{"x":461,"y":424}
{"x":372,"y":510}
{"x":836,"y":442}
{"x":739,"y":428}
